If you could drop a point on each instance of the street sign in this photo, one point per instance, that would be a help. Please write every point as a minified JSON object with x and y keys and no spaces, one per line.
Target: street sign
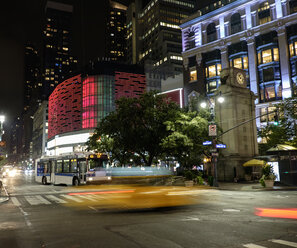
{"x":213,"y":150}
{"x":206,"y":143}
{"x":212,"y":130}
{"x":215,"y":154}
{"x":221,"y":146}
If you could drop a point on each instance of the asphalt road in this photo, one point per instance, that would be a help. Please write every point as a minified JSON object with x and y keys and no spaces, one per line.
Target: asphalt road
{"x":37,"y":216}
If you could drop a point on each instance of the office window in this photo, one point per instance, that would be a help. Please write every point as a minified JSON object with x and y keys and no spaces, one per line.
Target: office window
{"x":193,"y":74}
{"x":293,"y":49}
{"x":211,"y":32}
{"x":235,"y":23}
{"x":240,"y":63}
{"x":213,"y":70}
{"x":293,"y":6}
{"x":264,"y":13}
{"x":275,"y":54}
{"x":268,"y":56}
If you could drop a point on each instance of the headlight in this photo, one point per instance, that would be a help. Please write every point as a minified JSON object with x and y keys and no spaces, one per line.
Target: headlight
{"x":108,"y":178}
{"x":90,"y":178}
{"x":12,"y":173}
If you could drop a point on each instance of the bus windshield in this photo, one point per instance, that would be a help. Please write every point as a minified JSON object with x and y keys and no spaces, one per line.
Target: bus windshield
{"x":97,"y":164}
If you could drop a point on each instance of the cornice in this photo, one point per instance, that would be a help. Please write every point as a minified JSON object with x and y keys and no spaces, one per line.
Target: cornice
{"x":278,"y":25}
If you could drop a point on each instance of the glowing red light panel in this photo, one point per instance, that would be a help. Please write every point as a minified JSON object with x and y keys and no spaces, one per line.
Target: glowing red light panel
{"x":287,"y":213}
{"x":129,"y":84}
{"x":64,"y":107}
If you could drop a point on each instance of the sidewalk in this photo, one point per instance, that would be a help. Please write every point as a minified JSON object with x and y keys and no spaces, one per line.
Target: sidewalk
{"x":252,"y":186}
{"x":3,"y":193}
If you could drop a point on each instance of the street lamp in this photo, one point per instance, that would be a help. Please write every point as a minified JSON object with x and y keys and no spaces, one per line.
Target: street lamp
{"x":213,"y":132}
{"x":2,"y":119}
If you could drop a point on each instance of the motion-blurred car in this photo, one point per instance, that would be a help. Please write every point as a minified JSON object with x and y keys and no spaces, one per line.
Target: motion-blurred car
{"x":8,"y":171}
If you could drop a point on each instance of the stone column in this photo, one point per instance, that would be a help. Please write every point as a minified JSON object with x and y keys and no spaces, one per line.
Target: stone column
{"x":222,"y":27}
{"x":253,"y":70}
{"x":284,"y":61}
{"x":198,"y":38}
{"x":278,"y":7}
{"x":248,"y":17}
{"x":224,"y":57}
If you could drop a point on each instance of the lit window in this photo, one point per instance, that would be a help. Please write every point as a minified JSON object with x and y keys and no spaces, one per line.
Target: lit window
{"x":295,"y":47}
{"x":275,"y":54}
{"x":266,"y":56}
{"x":193,"y":74}
{"x":264,"y":13}
{"x":237,"y":63}
{"x":245,"y":63}
{"x":291,"y":48}
{"x":219,"y":68}
{"x":212,"y":71}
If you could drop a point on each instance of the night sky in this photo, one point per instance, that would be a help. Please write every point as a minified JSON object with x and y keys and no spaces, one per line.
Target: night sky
{"x":21,"y":22}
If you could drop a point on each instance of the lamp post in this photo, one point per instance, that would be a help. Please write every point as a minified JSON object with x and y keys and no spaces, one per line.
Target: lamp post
{"x":2,"y":119}
{"x":212,"y":132}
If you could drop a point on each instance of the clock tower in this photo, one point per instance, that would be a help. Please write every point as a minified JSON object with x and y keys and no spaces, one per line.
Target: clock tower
{"x":241,"y":140}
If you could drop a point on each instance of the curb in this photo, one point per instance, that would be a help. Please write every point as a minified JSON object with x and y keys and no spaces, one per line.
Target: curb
{"x":6,"y":197}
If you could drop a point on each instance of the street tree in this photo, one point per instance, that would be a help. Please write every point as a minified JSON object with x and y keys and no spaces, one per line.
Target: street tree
{"x":187,"y":133}
{"x":284,"y":129}
{"x":136,"y":129}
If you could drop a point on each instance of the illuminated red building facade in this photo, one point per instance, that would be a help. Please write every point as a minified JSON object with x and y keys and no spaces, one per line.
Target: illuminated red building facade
{"x":64,"y":108}
{"x":79,"y":103}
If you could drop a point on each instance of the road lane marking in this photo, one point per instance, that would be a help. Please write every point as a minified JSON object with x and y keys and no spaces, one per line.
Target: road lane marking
{"x":43,"y":200}
{"x":55,"y":199}
{"x":231,"y":210}
{"x":254,"y":246}
{"x":283,"y":242}
{"x":15,"y":201}
{"x":33,"y":200}
{"x":73,"y":198}
{"x":87,"y":197}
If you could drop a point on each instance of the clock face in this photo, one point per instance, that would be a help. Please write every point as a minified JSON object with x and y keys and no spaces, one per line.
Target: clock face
{"x":240,"y":78}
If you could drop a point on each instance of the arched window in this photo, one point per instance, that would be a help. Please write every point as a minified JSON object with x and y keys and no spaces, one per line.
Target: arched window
{"x":293,"y":6}
{"x":211,"y":32}
{"x":235,"y":23}
{"x":264,"y":13}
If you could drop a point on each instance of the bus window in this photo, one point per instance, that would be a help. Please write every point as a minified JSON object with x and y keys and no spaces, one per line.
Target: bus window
{"x":45,"y":167}
{"x":59,"y":166}
{"x":73,"y":166}
{"x":97,"y":164}
{"x":83,"y":166}
{"x":66,"y":165}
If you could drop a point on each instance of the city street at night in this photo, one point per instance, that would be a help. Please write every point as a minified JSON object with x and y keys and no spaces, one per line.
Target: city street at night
{"x":38,"y":216}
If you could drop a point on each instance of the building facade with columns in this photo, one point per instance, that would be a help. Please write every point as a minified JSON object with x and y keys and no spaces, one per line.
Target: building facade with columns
{"x":258,"y":36}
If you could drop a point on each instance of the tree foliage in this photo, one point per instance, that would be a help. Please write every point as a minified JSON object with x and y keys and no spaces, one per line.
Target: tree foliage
{"x":148,"y":128}
{"x":188,"y":132}
{"x":286,"y":130}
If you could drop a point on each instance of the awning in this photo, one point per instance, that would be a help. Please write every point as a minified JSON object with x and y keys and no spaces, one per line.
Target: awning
{"x":280,"y":147}
{"x":255,"y":162}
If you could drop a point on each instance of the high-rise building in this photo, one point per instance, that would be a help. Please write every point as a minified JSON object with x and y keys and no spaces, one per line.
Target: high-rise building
{"x":58,"y":62}
{"x":257,"y":36}
{"x":116,"y":46}
{"x":32,"y":77}
{"x":158,"y":42}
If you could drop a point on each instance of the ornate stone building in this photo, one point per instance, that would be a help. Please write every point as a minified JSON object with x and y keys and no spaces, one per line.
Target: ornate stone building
{"x":259,"y":37}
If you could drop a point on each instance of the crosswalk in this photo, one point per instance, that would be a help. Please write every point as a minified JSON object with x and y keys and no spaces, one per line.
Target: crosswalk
{"x":283,"y":243}
{"x":36,"y":200}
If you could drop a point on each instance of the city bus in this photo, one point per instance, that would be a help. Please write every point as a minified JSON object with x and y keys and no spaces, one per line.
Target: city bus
{"x":72,"y":169}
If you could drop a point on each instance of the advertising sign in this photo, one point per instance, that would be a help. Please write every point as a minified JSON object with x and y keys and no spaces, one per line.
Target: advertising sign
{"x":212,"y":130}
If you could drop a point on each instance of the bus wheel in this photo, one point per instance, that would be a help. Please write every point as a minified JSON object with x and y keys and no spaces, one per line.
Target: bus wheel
{"x":75,"y":181}
{"x":44,"y":182}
